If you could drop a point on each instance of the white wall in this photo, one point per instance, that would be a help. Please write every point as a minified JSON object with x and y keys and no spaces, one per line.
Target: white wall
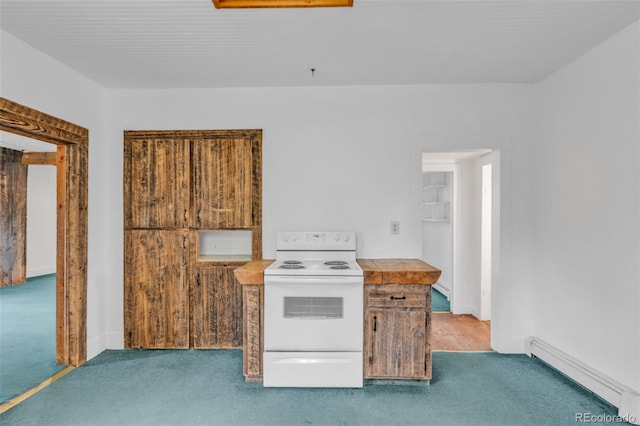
{"x":467,"y":284}
{"x":31,"y":78}
{"x":587,"y":209}
{"x":342,"y":158}
{"x":41,"y":220}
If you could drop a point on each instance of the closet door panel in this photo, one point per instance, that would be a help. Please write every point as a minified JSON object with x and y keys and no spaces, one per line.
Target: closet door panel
{"x":226,"y":183}
{"x":156,"y":182}
{"x":156,"y":289}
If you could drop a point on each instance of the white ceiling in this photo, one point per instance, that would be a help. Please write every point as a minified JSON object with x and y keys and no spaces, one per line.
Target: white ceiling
{"x":189,"y":43}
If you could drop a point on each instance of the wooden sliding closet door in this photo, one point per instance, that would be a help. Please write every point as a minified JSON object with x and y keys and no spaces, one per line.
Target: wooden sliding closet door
{"x":177,"y":184}
{"x":156,"y":202}
{"x":13,"y":218}
{"x":157,"y":289}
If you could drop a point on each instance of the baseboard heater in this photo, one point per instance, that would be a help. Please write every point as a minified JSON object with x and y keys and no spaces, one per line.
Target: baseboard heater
{"x":624,"y":398}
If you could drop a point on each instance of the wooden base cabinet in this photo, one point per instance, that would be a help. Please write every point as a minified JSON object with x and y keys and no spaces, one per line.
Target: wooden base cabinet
{"x":397,"y":332}
{"x":216,"y":306}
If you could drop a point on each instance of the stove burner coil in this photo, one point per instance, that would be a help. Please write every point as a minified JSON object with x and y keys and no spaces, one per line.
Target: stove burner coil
{"x":291,"y":266}
{"x":336,"y":263}
{"x":292,"y":262}
{"x":340,"y":267}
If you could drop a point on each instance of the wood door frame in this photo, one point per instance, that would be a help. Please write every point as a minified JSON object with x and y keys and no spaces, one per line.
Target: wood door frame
{"x":72,"y":220}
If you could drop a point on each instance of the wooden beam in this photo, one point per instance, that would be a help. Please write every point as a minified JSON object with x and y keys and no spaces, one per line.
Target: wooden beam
{"x":240,"y":4}
{"x":39,"y":158}
{"x":22,"y":120}
{"x":72,"y":244}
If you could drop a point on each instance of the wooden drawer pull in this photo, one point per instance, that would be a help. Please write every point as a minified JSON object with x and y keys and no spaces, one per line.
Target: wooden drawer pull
{"x":398,"y":297}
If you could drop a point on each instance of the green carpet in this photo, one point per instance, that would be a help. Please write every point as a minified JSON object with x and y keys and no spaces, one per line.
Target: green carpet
{"x":439,"y":302}
{"x":198,"y":387}
{"x":27,"y":335}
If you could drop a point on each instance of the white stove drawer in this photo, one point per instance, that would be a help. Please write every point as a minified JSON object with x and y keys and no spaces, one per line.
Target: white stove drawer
{"x":312,"y":369}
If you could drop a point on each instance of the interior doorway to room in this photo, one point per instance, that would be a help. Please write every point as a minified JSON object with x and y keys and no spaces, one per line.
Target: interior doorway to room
{"x":71,"y":161}
{"x":459,"y":237}
{"x":28,"y":301}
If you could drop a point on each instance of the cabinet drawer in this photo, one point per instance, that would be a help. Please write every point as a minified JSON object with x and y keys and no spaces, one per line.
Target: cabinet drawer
{"x":397,"y":296}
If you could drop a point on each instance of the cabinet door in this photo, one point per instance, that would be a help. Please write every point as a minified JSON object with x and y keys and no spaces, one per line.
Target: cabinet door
{"x":216,"y":307}
{"x":156,"y":181}
{"x":226,"y":182}
{"x":156,"y":290}
{"x":395,"y":345}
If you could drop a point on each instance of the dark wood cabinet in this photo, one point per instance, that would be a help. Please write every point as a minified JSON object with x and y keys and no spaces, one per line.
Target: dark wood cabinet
{"x":397,"y":332}
{"x":156,"y":289}
{"x":177,"y":183}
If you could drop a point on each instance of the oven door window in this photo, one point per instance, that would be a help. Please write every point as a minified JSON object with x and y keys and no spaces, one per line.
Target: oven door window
{"x":314,"y":307}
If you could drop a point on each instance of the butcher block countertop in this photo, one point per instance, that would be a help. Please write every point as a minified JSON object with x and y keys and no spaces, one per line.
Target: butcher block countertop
{"x":376,"y":271}
{"x":252,"y":272}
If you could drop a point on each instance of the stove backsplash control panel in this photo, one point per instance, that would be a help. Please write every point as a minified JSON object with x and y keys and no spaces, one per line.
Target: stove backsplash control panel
{"x":311,"y":240}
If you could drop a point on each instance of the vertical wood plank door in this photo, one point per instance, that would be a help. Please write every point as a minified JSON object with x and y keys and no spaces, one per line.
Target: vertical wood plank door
{"x":216,"y":307}
{"x":13,"y":218}
{"x":226,"y":181}
{"x":156,"y":181}
{"x":156,"y":289}
{"x":396,"y":344}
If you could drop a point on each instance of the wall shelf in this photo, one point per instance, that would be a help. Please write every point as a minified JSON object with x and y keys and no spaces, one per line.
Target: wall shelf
{"x":436,"y":196}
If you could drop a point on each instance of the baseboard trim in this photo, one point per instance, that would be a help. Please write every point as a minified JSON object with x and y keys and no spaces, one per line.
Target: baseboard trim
{"x":37,"y":272}
{"x":624,"y":398}
{"x":102,"y":342}
{"x":442,"y":289}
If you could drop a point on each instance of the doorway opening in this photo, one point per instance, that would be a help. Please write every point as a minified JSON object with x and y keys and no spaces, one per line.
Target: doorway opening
{"x":71,"y":161}
{"x":459,"y":238}
{"x":28,"y":269}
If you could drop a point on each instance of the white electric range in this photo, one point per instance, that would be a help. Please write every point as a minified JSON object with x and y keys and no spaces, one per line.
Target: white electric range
{"x":313,"y":312}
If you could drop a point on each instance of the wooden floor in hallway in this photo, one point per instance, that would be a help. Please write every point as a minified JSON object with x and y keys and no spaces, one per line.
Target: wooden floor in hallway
{"x":465,"y":332}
